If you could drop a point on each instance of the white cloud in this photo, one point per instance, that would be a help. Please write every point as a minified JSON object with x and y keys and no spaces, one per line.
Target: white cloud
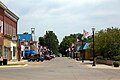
{"x":65,"y":16}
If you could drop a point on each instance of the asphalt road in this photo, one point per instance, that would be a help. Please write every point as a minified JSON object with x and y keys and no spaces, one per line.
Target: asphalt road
{"x":58,"y":69}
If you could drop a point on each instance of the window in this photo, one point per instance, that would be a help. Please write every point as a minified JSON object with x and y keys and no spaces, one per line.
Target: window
{"x":14,"y":31}
{"x":9,"y":29}
{"x":6,"y":52}
{"x":27,"y":48}
{"x":5,"y":28}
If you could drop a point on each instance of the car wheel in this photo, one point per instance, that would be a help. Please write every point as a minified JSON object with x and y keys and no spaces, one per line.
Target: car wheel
{"x":29,"y":60}
{"x":33,"y":60}
{"x":37,"y":60}
{"x":41,"y":60}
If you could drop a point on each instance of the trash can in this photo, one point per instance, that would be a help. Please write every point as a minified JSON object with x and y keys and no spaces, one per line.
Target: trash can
{"x":1,"y":63}
{"x":4,"y":61}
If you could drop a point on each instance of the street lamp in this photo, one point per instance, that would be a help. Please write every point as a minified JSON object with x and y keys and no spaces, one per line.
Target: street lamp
{"x":93,"y":30}
{"x":82,"y":51}
{"x":18,"y":48}
{"x":33,"y":33}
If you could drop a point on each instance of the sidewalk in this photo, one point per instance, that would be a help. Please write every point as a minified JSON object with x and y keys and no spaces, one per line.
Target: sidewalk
{"x":15,"y":63}
{"x":100,"y":66}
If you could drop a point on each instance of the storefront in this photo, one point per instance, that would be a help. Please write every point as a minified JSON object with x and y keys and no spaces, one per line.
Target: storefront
{"x":7,"y":49}
{"x":8,"y":29}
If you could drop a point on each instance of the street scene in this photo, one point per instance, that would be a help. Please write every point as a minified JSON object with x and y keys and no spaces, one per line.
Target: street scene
{"x":59,"y":40}
{"x":60,"y":68}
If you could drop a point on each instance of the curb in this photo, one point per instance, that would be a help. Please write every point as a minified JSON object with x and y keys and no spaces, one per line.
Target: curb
{"x":103,"y":67}
{"x":98,"y":66}
{"x":13,"y":66}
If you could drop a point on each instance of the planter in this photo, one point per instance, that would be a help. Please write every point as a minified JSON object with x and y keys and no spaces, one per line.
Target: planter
{"x":101,"y":61}
{"x":107,"y":62}
{"x":116,"y":64}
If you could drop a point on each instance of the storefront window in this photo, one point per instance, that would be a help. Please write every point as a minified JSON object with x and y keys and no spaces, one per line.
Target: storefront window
{"x":5,"y":52}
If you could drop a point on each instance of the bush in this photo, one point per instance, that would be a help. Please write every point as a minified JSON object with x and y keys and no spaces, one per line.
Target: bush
{"x":116,"y":64}
{"x":105,"y":59}
{"x":99,"y":57}
{"x":116,"y":58}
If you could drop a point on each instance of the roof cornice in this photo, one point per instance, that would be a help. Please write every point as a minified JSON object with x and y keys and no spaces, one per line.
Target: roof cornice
{"x":9,"y":13}
{"x":2,"y":5}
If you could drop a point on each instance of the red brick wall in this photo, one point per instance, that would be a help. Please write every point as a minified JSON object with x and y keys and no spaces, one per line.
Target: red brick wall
{"x":1,"y":41}
{"x":8,"y":28}
{"x":1,"y":17}
{"x":1,"y":13}
{"x":10,"y":21}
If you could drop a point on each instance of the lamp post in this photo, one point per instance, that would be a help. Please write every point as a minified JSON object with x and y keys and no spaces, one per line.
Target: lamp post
{"x":39,"y":48}
{"x":93,"y":30}
{"x":18,"y":48}
{"x":82,"y":51}
{"x":33,"y":33}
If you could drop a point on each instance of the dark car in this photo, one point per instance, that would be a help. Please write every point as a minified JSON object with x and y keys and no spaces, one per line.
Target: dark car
{"x":28,"y":54}
{"x":52,"y":56}
{"x":36,"y":57}
{"x":47,"y":57}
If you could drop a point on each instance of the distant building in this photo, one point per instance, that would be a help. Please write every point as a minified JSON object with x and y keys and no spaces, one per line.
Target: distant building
{"x":8,"y":29}
{"x":25,"y":41}
{"x":80,"y":50}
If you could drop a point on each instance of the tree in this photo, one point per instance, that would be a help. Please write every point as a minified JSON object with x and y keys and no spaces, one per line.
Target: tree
{"x":107,"y":43}
{"x":51,"y":41}
{"x":67,"y":42}
{"x":41,"y":41}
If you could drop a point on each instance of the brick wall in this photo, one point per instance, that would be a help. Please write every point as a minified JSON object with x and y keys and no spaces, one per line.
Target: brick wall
{"x":1,"y":13}
{"x":10,"y":26}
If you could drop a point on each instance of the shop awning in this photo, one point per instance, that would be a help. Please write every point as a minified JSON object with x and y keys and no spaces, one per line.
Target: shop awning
{"x":85,"y":46}
{"x":30,"y":52}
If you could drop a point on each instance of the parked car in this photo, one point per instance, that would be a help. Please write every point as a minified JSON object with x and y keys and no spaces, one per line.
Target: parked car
{"x":28,"y":53}
{"x":36,"y":57}
{"x":47,"y":57}
{"x":53,"y":56}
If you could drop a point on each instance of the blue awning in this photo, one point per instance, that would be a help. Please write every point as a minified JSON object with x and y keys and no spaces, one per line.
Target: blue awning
{"x":85,"y":46}
{"x":30,"y":52}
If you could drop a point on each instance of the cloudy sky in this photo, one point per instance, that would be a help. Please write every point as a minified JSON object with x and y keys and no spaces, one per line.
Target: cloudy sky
{"x":65,"y":17}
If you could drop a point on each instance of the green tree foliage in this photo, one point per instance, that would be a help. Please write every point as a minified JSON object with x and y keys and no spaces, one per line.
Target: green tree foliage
{"x":107,"y":42}
{"x":67,"y":42}
{"x":41,"y":41}
{"x":51,"y":41}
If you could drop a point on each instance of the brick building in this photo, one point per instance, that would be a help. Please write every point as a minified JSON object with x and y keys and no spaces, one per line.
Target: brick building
{"x":8,"y":29}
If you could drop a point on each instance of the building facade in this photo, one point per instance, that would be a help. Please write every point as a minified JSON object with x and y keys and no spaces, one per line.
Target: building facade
{"x":26,"y":43}
{"x":81,"y":50}
{"x":8,"y":29}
